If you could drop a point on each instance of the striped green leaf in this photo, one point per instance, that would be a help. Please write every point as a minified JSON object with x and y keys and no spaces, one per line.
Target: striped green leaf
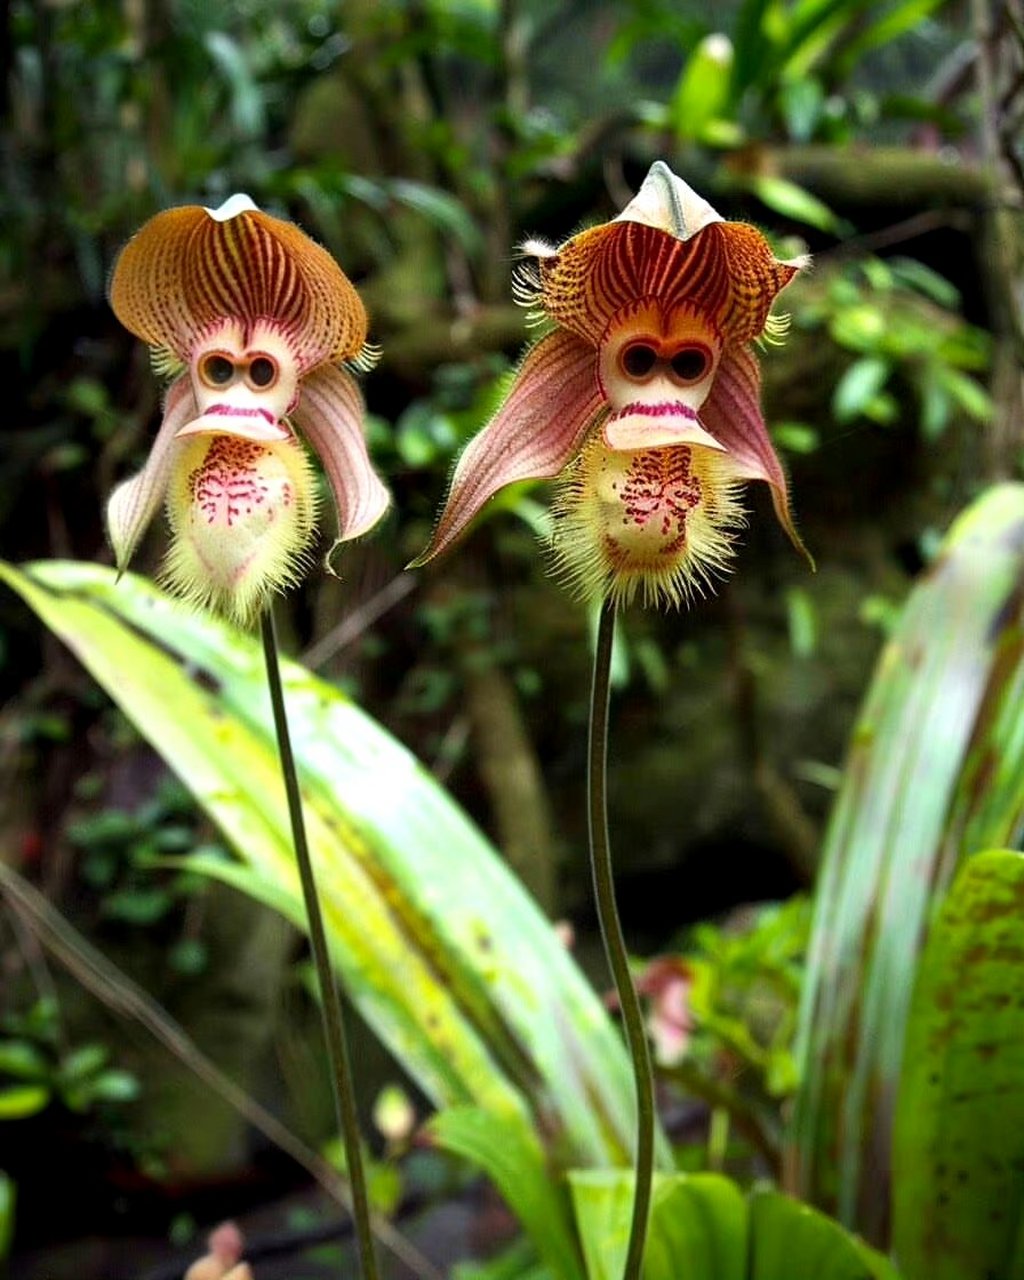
{"x":935,"y":771}
{"x":439,"y":946}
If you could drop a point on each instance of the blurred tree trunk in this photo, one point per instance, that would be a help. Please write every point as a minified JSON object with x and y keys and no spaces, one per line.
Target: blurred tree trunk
{"x":1000,"y":80}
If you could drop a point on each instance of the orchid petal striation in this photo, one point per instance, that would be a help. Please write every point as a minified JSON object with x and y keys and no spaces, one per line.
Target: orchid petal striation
{"x":553,"y":401}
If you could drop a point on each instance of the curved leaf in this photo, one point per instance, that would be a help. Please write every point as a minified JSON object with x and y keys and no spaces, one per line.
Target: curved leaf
{"x":515,"y":1163}
{"x":958,"y":1142}
{"x":441,"y":949}
{"x":935,"y":770}
{"x":703,"y":1226}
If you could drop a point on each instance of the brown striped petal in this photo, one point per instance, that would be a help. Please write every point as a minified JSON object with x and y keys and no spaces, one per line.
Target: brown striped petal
{"x":732,"y":413}
{"x":134,"y":502}
{"x":190,"y":268}
{"x":601,"y":275}
{"x":330,"y":415}
{"x":553,"y":401}
{"x":668,"y":245}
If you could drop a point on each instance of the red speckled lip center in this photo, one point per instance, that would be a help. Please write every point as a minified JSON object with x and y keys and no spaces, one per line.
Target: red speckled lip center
{"x":228,"y":487}
{"x":660,"y":486}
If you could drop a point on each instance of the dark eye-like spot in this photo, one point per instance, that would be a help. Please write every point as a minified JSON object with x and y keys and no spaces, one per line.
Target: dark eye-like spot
{"x":638,"y":360}
{"x":262,"y":371}
{"x":217,"y":370}
{"x":690,"y":364}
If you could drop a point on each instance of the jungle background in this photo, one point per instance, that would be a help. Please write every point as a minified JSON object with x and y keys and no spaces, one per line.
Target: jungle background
{"x":420,"y":141}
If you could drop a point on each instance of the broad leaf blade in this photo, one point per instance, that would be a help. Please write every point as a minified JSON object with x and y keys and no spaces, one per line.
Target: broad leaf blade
{"x":698,"y":1225}
{"x":515,"y":1163}
{"x":925,"y":772}
{"x":702,"y":1226}
{"x":792,"y":1241}
{"x":442,"y":950}
{"x":958,"y":1153}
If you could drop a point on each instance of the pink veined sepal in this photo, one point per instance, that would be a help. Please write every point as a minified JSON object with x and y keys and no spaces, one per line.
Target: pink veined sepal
{"x":554,"y":400}
{"x":330,"y":416}
{"x":732,"y":413}
{"x":134,"y":503}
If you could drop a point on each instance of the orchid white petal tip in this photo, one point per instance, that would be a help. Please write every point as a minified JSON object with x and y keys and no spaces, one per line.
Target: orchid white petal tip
{"x":232,"y":207}
{"x":668,"y":203}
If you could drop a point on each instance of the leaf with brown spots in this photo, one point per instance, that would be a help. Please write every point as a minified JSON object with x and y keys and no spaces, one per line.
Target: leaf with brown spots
{"x":958,"y":1141}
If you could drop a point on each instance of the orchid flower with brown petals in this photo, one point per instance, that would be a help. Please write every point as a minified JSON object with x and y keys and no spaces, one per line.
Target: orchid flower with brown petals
{"x":259,"y":327}
{"x":644,"y":399}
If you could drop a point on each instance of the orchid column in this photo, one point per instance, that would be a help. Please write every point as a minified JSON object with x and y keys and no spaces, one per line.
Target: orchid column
{"x":258,"y":328}
{"x":643,"y":401}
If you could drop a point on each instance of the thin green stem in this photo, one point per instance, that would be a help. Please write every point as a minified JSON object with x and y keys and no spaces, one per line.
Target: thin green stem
{"x":614,"y":943}
{"x":330,"y":998}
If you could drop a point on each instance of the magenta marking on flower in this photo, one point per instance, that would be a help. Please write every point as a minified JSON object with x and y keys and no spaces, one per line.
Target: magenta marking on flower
{"x":661,"y":484}
{"x":663,"y":409}
{"x":230,"y":411}
{"x":228,"y":486}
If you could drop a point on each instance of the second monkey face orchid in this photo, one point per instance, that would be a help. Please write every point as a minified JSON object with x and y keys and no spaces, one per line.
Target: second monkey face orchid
{"x":255,"y":321}
{"x":644,"y":400}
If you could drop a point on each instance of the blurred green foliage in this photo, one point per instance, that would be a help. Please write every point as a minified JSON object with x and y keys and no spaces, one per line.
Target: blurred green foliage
{"x":38,"y":1070}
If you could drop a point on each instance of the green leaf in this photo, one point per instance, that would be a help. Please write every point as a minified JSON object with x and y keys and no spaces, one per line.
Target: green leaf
{"x":791,"y":201}
{"x":137,"y":906}
{"x":115,"y":1086}
{"x":883,"y":30}
{"x":789,"y":1241}
{"x":440,"y":209}
{"x":971,"y":396}
{"x":22,"y":1059}
{"x":441,"y":949}
{"x":935,"y":770}
{"x":703,"y":90}
{"x":19,"y":1101}
{"x":701,"y":1225}
{"x":803,"y":622}
{"x":514,"y":1161}
{"x":858,"y":387}
{"x":83,"y":1062}
{"x":517,"y":1262}
{"x":958,"y":1193}
{"x":246,"y":96}
{"x":922,"y":278}
{"x":796,"y":437}
{"x":7,"y":1202}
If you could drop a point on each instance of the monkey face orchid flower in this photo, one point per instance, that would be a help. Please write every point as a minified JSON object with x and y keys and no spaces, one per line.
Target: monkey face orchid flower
{"x":255,"y":322}
{"x":644,"y":400}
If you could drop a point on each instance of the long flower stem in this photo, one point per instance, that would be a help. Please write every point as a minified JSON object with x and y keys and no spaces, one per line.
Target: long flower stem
{"x":614,"y":943}
{"x":330,"y":999}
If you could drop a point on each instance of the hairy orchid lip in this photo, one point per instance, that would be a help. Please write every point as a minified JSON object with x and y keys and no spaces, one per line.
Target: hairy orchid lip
{"x":641,"y":425}
{"x":252,"y":422}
